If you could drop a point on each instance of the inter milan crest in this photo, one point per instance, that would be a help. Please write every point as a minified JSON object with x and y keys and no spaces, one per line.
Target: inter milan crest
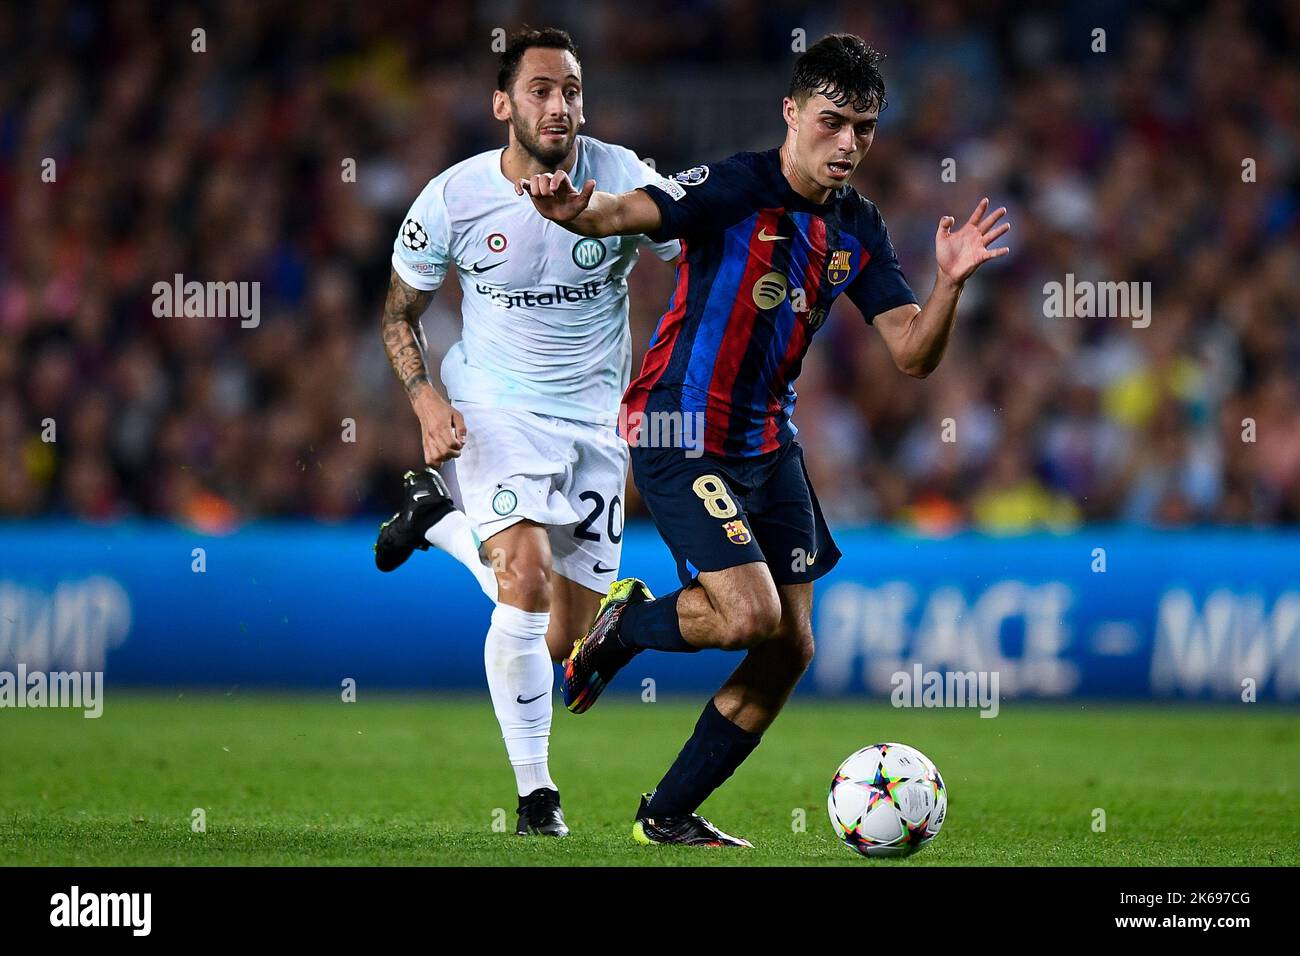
{"x":588,"y":253}
{"x":504,"y":502}
{"x":838,"y":266}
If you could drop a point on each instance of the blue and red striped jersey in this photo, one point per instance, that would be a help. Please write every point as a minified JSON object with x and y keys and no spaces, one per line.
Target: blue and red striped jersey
{"x":761,"y":267}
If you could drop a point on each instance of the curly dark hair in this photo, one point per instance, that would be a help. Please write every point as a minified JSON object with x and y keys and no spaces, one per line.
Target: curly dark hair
{"x":521,"y":41}
{"x":844,"y":69}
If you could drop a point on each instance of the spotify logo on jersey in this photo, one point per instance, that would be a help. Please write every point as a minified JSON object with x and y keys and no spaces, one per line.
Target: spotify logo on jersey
{"x":588,"y":253}
{"x":769,"y":291}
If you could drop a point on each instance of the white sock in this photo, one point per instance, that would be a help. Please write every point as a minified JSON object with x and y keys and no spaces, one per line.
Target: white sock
{"x":519,"y":669}
{"x":453,"y":534}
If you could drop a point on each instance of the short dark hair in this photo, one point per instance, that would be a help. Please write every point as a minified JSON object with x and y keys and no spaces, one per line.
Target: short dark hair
{"x":520,"y":42}
{"x":842,"y":68}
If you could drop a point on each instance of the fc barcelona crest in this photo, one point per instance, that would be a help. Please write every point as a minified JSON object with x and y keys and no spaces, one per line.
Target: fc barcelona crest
{"x":838,"y":267}
{"x":737,"y":533}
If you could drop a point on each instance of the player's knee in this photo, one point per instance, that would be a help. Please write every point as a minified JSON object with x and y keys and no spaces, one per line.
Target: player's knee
{"x":750,"y":623}
{"x":525,"y":584}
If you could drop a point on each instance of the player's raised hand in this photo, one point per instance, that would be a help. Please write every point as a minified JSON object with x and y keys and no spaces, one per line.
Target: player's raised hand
{"x":960,"y":253}
{"x":554,"y":195}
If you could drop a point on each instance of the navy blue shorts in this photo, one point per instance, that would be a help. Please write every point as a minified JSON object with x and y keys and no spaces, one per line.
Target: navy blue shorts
{"x":717,"y":513}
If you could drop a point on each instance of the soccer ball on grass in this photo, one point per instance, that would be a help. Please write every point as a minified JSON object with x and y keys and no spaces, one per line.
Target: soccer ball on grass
{"x":887,"y":800}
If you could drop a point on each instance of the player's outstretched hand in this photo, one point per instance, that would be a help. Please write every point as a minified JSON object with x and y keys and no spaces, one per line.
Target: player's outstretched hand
{"x":442,"y":428}
{"x":960,"y":253}
{"x":555,"y":196}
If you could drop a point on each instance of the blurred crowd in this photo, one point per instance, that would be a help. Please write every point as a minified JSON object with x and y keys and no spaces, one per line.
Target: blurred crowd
{"x":1169,"y":156}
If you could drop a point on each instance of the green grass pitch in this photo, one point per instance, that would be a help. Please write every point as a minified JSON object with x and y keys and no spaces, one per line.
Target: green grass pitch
{"x":420,"y":779}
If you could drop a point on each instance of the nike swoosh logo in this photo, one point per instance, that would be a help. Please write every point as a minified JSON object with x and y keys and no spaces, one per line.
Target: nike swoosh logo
{"x":520,"y":700}
{"x":600,"y":570}
{"x":419,"y":494}
{"x":764,"y":237}
{"x":477,"y":269}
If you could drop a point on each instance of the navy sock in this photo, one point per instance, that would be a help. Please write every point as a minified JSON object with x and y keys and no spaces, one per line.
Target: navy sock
{"x":654,"y":624}
{"x":712,"y":755}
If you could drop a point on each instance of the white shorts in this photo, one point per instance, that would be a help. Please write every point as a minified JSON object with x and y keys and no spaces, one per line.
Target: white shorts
{"x":566,"y":475}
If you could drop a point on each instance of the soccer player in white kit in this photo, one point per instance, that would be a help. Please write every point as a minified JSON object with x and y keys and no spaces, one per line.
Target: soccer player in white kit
{"x":528,"y":440}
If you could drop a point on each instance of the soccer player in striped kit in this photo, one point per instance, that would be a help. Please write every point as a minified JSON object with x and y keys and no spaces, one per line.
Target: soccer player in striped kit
{"x":771,"y":239}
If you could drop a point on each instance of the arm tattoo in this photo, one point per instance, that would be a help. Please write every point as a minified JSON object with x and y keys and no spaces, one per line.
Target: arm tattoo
{"x":402,"y":311}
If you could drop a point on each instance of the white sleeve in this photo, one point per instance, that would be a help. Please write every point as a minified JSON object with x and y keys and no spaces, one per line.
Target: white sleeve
{"x":422,"y":249}
{"x":643,"y":175}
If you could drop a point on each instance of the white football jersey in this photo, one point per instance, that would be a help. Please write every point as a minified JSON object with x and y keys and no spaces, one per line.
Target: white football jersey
{"x":545,"y":310}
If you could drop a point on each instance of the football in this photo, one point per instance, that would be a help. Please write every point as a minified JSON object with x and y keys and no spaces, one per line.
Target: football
{"x":887,"y":800}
